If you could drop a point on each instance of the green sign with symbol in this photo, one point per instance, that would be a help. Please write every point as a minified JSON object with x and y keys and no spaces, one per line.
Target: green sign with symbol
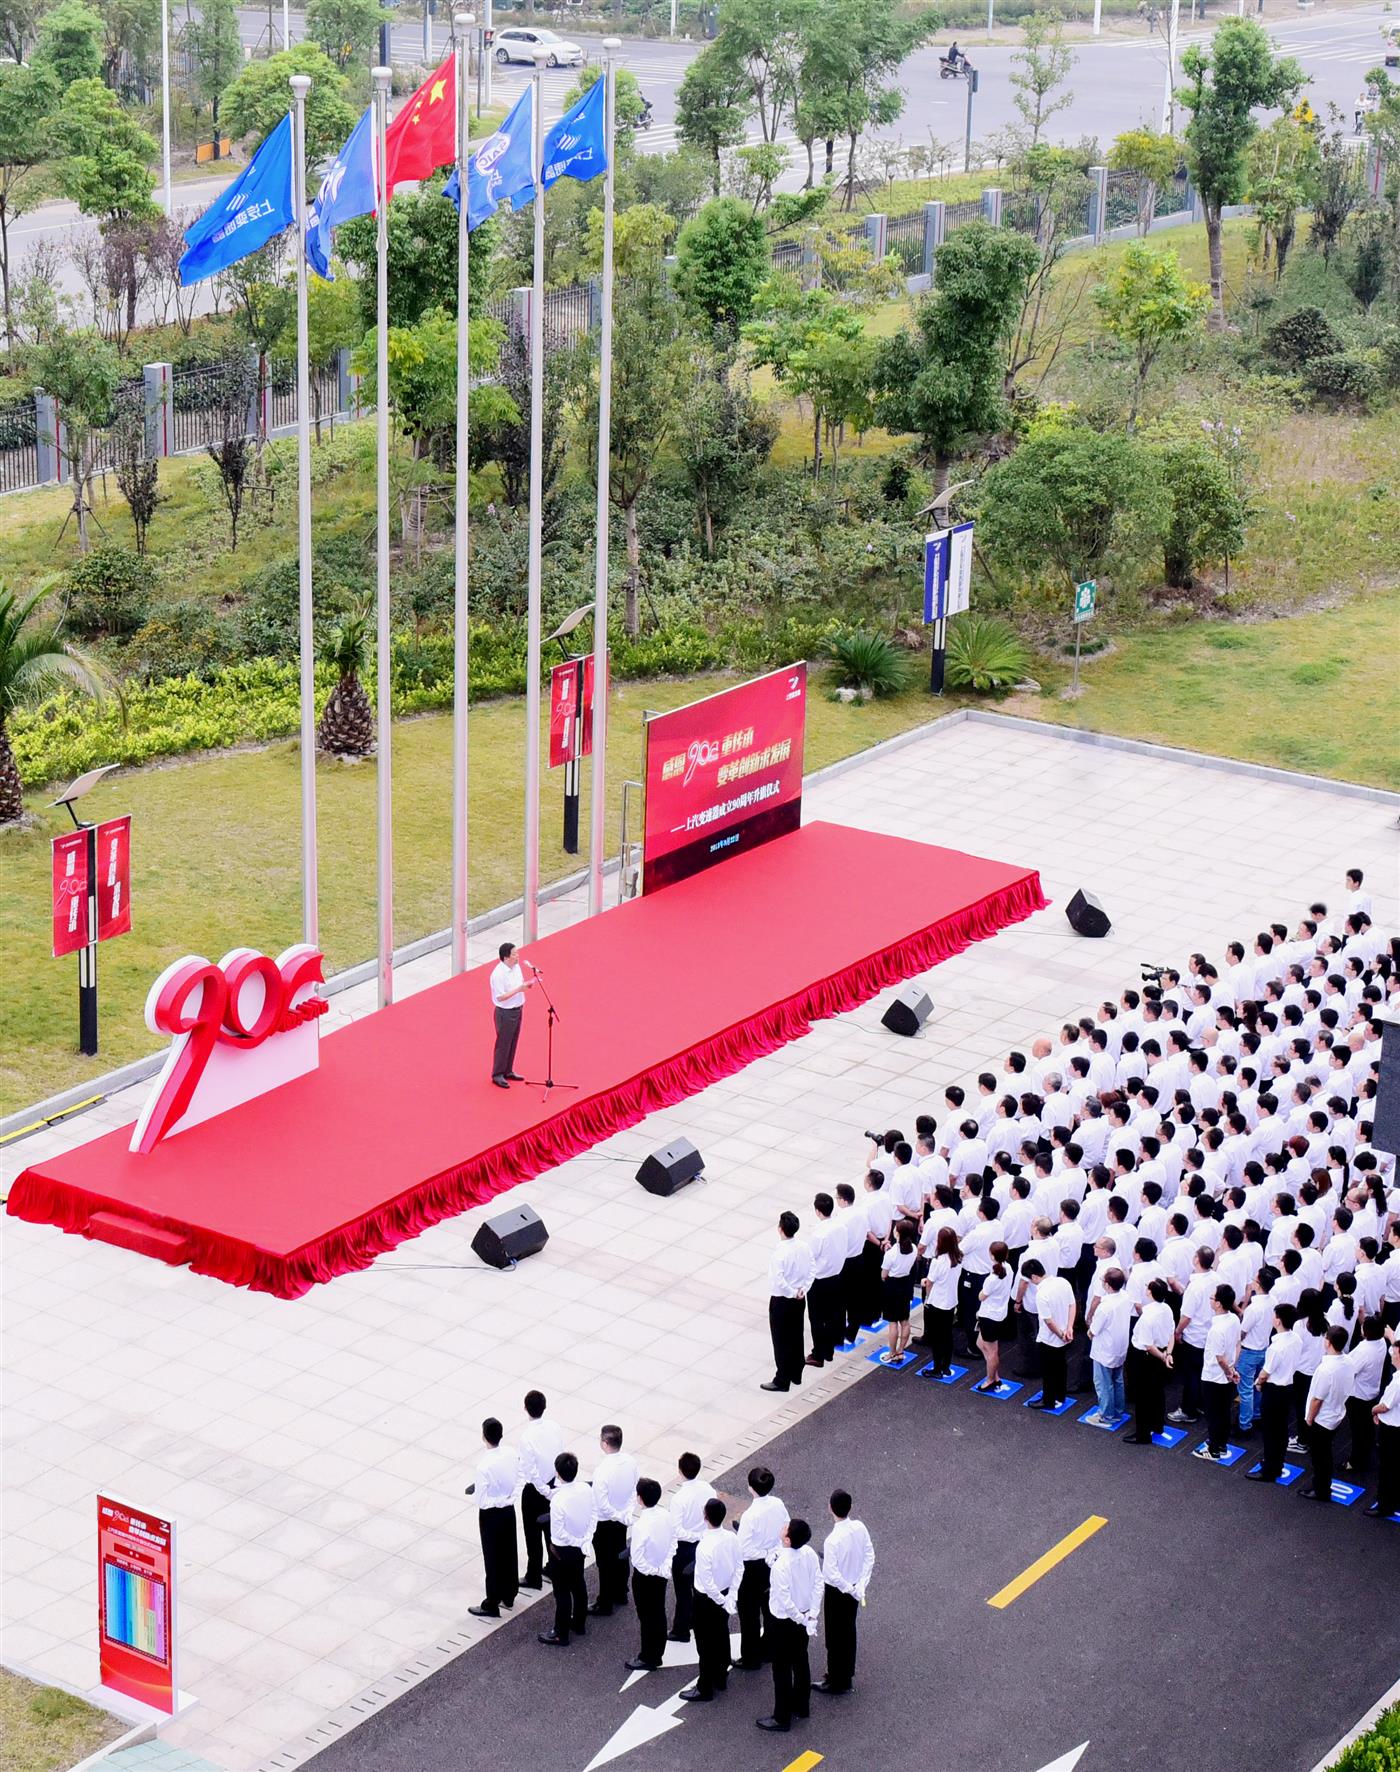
{"x":1084,"y":596}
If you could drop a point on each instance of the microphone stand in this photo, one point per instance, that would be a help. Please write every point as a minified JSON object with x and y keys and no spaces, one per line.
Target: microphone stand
{"x":546,"y":1082}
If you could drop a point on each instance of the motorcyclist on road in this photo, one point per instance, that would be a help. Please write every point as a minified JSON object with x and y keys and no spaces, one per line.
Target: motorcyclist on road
{"x":955,"y":55}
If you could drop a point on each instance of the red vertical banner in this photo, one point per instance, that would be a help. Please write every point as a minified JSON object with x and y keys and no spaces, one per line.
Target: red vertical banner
{"x":70,"y":892}
{"x":563,"y":712}
{"x":114,"y":877}
{"x":136,"y":1604}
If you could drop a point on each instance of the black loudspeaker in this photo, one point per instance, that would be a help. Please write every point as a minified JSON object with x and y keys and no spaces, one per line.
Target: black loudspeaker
{"x":909,"y":1011}
{"x":510,"y":1236}
{"x":1086,"y":915}
{"x":1385,"y":1120}
{"x":666,"y":1170}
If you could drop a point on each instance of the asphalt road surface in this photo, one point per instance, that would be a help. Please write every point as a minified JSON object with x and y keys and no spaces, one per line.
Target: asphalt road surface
{"x":1208,"y":1624}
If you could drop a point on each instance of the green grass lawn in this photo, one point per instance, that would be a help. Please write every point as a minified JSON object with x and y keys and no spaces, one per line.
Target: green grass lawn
{"x":44,"y":1730}
{"x":215,"y":840}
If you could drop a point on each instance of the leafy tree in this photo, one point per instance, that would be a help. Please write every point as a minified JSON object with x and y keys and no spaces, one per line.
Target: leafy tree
{"x":1206,"y":512}
{"x":130,"y":35}
{"x":641,"y":234}
{"x":232,"y":450}
{"x":1383,"y":127}
{"x":27,"y":100}
{"x":758,"y":167}
{"x":722,"y":263}
{"x":1283,"y":174}
{"x":346,"y":29}
{"x":943,"y":380}
{"x":629,"y":103}
{"x":1072,"y":502}
{"x":138,"y":475}
{"x":1150,"y":160}
{"x":723,"y":437}
{"x":70,"y":43}
{"x":506,"y":440}
{"x":216,"y":57}
{"x":19,"y":22}
{"x":763,"y":42}
{"x":1054,"y":183}
{"x":848,"y":77}
{"x":1042,"y":65}
{"x":1148,"y":304}
{"x":423,"y":381}
{"x":105,"y":156}
{"x":651,"y":367}
{"x":816,"y":346}
{"x":1339,"y":186}
{"x":1225,"y":86}
{"x":1367,"y":260}
{"x":35,"y":660}
{"x":333,"y":323}
{"x":712,"y":107}
{"x":422,"y":242}
{"x":257,"y":100}
{"x":82,"y":372}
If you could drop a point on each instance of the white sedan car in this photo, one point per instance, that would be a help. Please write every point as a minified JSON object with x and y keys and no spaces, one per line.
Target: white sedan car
{"x":519,"y":45}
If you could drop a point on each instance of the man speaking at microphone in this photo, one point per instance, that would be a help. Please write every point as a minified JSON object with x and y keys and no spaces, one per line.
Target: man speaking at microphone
{"x":508,"y":987}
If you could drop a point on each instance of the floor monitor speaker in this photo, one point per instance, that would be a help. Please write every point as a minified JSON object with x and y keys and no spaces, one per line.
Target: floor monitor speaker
{"x":666,"y":1170}
{"x":909,"y":1011}
{"x":1086,"y":915}
{"x":510,"y":1236}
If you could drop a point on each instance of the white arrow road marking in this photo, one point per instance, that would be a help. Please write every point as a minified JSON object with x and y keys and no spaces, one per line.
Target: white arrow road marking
{"x":1066,"y":1762}
{"x":646,"y":1722}
{"x":678,"y":1655}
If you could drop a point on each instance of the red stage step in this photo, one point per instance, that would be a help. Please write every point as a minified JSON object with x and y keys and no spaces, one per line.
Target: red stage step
{"x":135,"y":1234}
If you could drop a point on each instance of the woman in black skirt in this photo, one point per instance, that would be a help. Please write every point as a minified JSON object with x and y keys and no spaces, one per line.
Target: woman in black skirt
{"x":941,"y":1299}
{"x":896,"y":1271}
{"x":995,"y":1321}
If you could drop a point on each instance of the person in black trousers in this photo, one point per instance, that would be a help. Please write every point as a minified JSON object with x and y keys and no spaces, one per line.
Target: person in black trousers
{"x":573,"y":1513}
{"x":1275,"y":1387}
{"x":852,"y":1269}
{"x":652,"y":1543}
{"x":789,"y":1277}
{"x":1149,"y":1361}
{"x":795,"y":1599}
{"x":825,"y":1309}
{"x":497,"y":1472}
{"x":541,"y":1442}
{"x":1386,"y":1416}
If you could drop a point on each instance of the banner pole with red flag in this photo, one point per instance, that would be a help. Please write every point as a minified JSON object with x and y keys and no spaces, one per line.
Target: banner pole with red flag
{"x":598,"y":788}
{"x":462,"y":24}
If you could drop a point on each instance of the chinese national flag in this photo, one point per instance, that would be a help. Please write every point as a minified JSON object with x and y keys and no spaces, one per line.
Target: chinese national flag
{"x":423,"y":136}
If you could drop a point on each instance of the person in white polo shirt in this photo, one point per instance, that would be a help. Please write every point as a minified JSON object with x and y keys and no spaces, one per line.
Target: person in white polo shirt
{"x":573,"y":1513}
{"x":1327,"y":1406}
{"x":1220,"y":1375}
{"x":1275,"y":1385}
{"x":615,"y":1491}
{"x":790,"y":1271}
{"x":795,"y":1600}
{"x":848,"y":1560}
{"x":688,"y":1511}
{"x":760,"y":1529}
{"x":651,"y":1544}
{"x":826,"y":1316}
{"x":497,"y":1476}
{"x":541,"y":1442}
{"x":717,"y":1566}
{"x":1386,"y":1416}
{"x":508,"y":987}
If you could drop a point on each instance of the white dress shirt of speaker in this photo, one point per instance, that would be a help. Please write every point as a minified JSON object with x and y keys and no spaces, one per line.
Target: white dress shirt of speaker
{"x":795,"y":1590}
{"x":848,"y":1558}
{"x":651,"y":1540}
{"x":718,"y":1565}
{"x":615,"y":1486}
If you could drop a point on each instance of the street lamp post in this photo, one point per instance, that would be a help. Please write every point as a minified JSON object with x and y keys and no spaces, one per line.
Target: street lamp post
{"x":167,"y":193}
{"x":967,"y":134}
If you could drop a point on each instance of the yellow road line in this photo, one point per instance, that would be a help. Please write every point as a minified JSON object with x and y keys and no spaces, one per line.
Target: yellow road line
{"x":49,"y":1120}
{"x":1043,"y":1565}
{"x":804,"y":1762}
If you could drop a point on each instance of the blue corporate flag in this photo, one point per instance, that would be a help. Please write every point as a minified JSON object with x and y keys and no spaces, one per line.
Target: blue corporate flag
{"x":575,"y":147}
{"x":346,"y":191}
{"x":254,"y":209}
{"x":500,"y":171}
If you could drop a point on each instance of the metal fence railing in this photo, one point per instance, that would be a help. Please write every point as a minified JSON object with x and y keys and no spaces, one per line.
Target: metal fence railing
{"x":905,"y":239}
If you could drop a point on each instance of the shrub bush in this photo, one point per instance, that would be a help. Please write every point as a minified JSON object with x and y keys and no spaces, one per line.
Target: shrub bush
{"x":1342,"y":377}
{"x":109,"y":592}
{"x":1301,"y":336}
{"x":867,"y":662}
{"x":180,"y":639}
{"x":984,"y":654}
{"x":1378,"y":1750}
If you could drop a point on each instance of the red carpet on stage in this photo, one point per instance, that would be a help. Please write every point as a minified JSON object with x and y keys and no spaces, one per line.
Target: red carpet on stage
{"x":400,"y":1126}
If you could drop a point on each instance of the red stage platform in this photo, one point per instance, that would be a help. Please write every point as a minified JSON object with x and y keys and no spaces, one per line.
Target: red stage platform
{"x":400,"y":1126}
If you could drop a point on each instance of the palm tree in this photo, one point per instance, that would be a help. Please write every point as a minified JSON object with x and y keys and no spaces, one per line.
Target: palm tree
{"x":347,"y":725}
{"x":35,"y":660}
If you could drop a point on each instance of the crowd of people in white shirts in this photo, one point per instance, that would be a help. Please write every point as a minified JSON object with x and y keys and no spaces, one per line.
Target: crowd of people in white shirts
{"x":1175,"y":1198}
{"x":759,"y":1568}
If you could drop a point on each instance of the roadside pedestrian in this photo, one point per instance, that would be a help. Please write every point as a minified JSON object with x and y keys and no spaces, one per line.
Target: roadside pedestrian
{"x":848,"y":1559}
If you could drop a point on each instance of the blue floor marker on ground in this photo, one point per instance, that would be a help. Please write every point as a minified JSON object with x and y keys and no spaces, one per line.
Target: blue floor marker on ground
{"x":1059,"y":1409}
{"x":1233,"y":1454}
{"x":1006,"y":1387}
{"x":1346,"y":1494}
{"x":953,"y":1374}
{"x":1291,"y":1473}
{"x":907,"y":1358}
{"x":1169,"y":1437}
{"x":848,"y":1347}
{"x":1090,"y":1419}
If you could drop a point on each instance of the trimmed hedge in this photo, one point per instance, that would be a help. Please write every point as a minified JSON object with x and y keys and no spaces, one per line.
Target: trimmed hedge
{"x":1378,"y":1750}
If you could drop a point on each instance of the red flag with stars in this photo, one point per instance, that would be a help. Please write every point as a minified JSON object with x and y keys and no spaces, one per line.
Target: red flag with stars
{"x":423,"y":136}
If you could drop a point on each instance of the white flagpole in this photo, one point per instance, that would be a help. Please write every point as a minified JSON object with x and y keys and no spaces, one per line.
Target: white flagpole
{"x":384,"y":769}
{"x":533,"y":644}
{"x":598,"y":789}
{"x":462,"y":24}
{"x":310,"y":920}
{"x":1169,"y":92}
{"x":167,"y":192}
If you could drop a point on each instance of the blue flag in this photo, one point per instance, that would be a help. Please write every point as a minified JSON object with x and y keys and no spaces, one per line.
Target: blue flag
{"x":501,"y":170}
{"x":254,"y":209}
{"x":575,"y":147}
{"x":346,"y":191}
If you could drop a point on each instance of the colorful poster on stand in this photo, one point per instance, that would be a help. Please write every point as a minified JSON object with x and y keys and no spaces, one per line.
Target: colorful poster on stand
{"x":114,"y":878}
{"x":136,"y":1604}
{"x":723,"y":775}
{"x":70,"y":893}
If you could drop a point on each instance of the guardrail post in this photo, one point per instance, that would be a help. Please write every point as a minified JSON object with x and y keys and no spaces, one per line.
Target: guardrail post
{"x":991,"y":205}
{"x":810,"y":269}
{"x":48,"y":443}
{"x":935,"y":223}
{"x":345,"y":382}
{"x":158,"y":389}
{"x":1098,"y":203}
{"x":877,"y":232}
{"x":519,"y":322}
{"x":595,"y":303}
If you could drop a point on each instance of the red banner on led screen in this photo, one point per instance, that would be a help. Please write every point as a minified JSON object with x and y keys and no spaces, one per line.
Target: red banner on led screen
{"x":70,"y":892}
{"x":136,"y":1604}
{"x":114,"y":878}
{"x":563,"y":712}
{"x":723,"y":775}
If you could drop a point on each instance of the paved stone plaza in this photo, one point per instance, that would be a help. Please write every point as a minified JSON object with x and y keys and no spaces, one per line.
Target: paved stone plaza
{"x":314,"y":1453}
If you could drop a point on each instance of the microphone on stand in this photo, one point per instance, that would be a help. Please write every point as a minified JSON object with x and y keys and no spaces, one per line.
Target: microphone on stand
{"x":535,"y":969}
